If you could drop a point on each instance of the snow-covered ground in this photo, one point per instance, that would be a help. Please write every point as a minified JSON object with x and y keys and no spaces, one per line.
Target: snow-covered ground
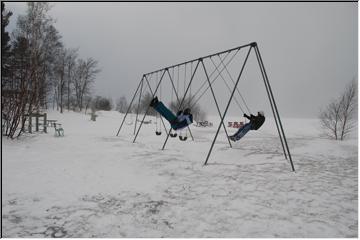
{"x":91,"y":183}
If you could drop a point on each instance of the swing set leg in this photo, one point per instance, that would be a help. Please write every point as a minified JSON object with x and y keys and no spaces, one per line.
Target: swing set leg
{"x":147,"y":82}
{"x":148,"y":107}
{"x":227,"y":106}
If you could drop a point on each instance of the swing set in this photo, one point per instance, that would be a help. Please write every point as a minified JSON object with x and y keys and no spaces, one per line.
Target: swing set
{"x":189,"y":99}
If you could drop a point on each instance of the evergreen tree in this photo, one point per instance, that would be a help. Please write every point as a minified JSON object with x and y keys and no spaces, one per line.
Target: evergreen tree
{"x":5,"y":44}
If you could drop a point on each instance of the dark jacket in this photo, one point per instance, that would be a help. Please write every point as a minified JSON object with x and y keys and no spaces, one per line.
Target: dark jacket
{"x":256,"y":121}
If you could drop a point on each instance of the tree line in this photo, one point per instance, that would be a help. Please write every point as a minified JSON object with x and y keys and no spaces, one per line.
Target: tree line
{"x":38,"y":70}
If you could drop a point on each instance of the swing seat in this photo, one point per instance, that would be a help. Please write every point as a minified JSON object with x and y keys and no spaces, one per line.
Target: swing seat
{"x":173,"y":135}
{"x":182,"y":138}
{"x":157,"y":133}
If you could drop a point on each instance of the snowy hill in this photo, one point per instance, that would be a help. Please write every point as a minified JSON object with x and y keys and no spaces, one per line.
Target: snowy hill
{"x":91,"y":183}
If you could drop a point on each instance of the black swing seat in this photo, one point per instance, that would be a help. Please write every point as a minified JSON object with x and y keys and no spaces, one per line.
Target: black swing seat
{"x":173,"y":135}
{"x":182,"y":138}
{"x":157,"y":133}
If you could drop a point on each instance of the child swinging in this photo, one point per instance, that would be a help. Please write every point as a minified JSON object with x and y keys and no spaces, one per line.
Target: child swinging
{"x":180,"y":121}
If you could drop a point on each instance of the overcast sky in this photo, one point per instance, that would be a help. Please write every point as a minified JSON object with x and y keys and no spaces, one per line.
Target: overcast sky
{"x":309,"y":49}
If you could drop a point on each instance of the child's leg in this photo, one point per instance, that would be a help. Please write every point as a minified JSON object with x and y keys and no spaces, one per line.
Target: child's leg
{"x":242,"y":131}
{"x":238,"y":131}
{"x":165,"y":112}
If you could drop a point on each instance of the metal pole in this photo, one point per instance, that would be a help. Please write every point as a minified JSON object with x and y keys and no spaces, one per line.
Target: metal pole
{"x":182,"y":101}
{"x":276,"y":110}
{"x":177,"y":97}
{"x":147,"y":81}
{"x":271,"y":103}
{"x":129,"y":106}
{"x":45,"y":123}
{"x":147,"y":109}
{"x":137,"y":110}
{"x":228,"y":104}
{"x":216,"y":103}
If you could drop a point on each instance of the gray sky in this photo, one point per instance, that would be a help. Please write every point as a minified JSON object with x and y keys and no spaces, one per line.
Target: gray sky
{"x":309,"y":49}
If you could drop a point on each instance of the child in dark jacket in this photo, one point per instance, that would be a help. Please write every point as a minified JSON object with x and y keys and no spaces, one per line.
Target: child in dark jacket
{"x":255,"y":123}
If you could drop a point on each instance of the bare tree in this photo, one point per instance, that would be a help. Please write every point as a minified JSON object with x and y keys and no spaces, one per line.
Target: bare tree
{"x":36,"y":26}
{"x":87,"y":102}
{"x":86,"y":71}
{"x":338,"y":118}
{"x":70,"y":67}
{"x":348,"y":110}
{"x":122,"y":104}
{"x":78,"y":81}
{"x":60,"y":75}
{"x":52,"y":55}
{"x":144,"y":104}
{"x":198,"y":113}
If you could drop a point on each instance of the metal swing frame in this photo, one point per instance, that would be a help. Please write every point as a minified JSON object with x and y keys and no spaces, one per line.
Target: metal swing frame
{"x":199,"y":61}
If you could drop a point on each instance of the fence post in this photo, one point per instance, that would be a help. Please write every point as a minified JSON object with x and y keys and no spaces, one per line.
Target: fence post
{"x":30,"y":123}
{"x":37,"y":122}
{"x":45,"y":125}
